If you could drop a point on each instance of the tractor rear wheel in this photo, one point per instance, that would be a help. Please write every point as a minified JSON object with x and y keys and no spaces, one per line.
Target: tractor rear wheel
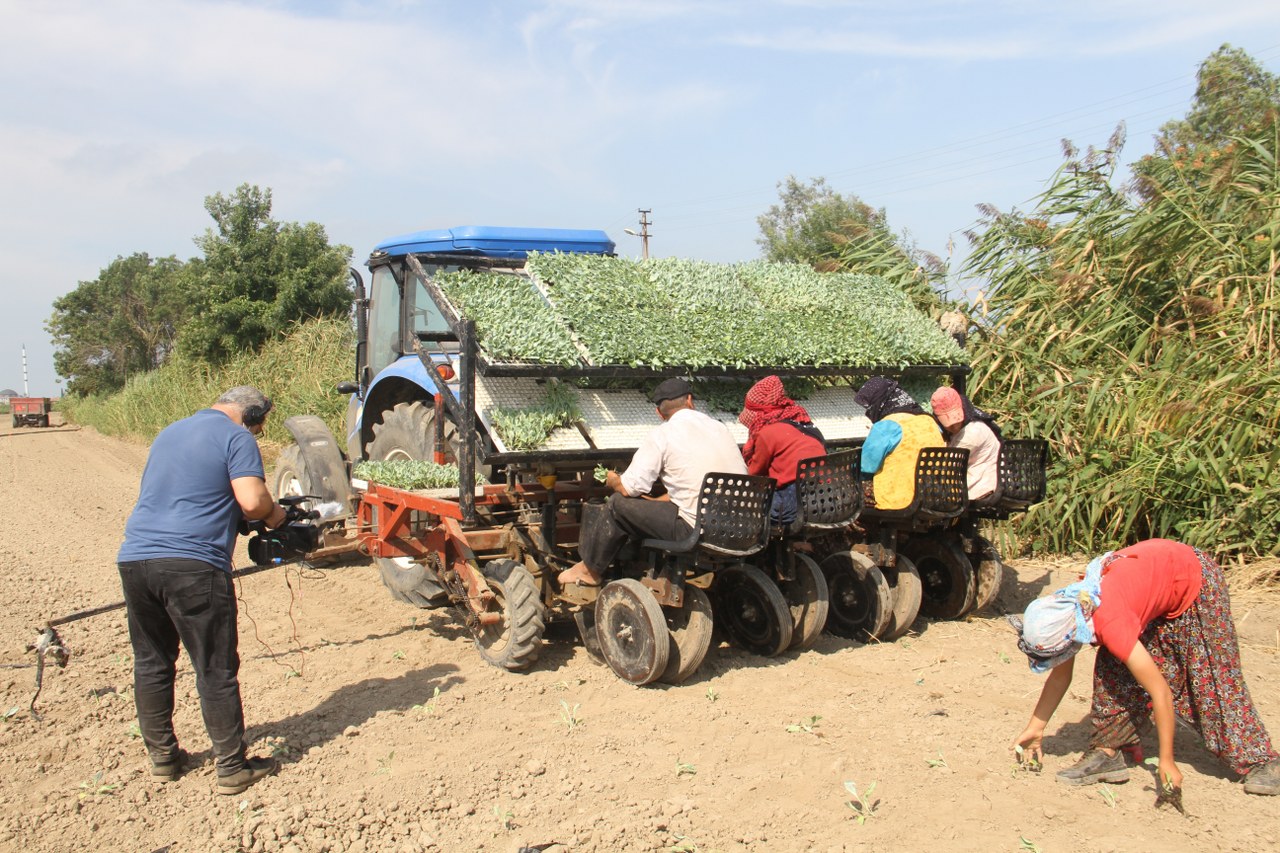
{"x":751,"y":610}
{"x":290,"y":477}
{"x":406,"y":432}
{"x":514,"y":643}
{"x":949,"y":585}
{"x":632,"y":630}
{"x":690,"y":630}
{"x":861,"y":601}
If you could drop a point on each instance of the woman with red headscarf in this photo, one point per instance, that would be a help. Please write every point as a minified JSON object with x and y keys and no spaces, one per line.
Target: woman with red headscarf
{"x":780,"y":435}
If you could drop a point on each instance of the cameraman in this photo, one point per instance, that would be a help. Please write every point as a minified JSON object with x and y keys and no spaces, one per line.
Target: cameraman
{"x":203,"y":475}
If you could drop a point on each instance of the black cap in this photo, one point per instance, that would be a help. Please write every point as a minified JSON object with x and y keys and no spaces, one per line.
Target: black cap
{"x":671,"y":389}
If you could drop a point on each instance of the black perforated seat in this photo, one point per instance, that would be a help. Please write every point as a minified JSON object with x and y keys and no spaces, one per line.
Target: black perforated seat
{"x":941,"y":488}
{"x":827,"y":490}
{"x":1020,"y":478}
{"x":733,"y":517}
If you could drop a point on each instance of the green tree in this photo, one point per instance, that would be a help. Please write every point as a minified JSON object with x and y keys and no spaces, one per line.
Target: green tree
{"x":258,"y":277}
{"x":813,"y":224}
{"x":124,"y":322}
{"x":1235,"y":97}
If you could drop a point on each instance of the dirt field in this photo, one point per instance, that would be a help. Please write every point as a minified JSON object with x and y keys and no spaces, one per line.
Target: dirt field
{"x":395,"y":736}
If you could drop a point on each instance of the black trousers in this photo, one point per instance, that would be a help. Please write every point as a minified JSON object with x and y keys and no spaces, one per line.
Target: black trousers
{"x":172,"y":600}
{"x":626,"y":518}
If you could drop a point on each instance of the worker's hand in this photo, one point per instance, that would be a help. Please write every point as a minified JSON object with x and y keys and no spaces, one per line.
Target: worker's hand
{"x":1168,"y":775}
{"x":279,"y":515}
{"x":1032,"y":755}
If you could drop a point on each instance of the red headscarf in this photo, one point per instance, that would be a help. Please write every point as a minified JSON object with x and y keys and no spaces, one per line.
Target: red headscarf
{"x":767,"y":403}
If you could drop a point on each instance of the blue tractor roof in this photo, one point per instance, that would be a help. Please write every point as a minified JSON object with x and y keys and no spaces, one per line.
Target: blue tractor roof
{"x":496,"y":242}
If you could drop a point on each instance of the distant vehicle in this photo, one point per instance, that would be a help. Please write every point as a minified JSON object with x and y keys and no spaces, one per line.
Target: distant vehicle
{"x":30,"y":411}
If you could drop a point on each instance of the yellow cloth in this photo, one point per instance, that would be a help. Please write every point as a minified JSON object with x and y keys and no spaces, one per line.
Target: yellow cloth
{"x":895,"y":485}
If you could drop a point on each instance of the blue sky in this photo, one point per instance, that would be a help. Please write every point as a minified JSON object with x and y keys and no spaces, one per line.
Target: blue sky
{"x":375,"y":118}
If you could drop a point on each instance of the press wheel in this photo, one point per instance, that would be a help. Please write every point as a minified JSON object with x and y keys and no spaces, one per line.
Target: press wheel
{"x":690,"y":630}
{"x":947,"y":577}
{"x":807,"y":596}
{"x":904,"y":584}
{"x":989,"y":571}
{"x":632,"y":631}
{"x":861,"y":601}
{"x":751,"y":610}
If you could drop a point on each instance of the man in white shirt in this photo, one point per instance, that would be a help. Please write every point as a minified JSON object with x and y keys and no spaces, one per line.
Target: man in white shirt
{"x":680,"y":452}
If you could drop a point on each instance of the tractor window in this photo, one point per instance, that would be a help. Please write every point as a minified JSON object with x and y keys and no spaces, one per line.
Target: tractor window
{"x":426,"y":317}
{"x":385,"y":345}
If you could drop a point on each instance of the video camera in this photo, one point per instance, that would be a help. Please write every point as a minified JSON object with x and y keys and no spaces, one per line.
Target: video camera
{"x":290,"y":541}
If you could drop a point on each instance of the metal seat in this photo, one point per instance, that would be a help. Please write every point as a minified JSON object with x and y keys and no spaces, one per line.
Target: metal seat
{"x":828,"y":491}
{"x":941,"y":491}
{"x":733,"y":517}
{"x":1020,"y":478}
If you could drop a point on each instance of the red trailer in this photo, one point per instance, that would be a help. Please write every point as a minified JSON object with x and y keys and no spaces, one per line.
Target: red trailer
{"x":30,"y":411}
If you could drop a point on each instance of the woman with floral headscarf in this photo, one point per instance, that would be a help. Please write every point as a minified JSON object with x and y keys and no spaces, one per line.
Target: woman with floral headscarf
{"x":780,"y":435}
{"x":899,"y":430}
{"x":1161,"y":618}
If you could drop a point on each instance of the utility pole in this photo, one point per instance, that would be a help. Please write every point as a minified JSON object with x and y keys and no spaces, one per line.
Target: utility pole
{"x":643,"y":234}
{"x":26,"y":390}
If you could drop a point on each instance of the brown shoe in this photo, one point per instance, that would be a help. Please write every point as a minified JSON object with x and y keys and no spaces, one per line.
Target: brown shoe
{"x":253,"y":770}
{"x":1264,"y":779}
{"x":170,"y":769}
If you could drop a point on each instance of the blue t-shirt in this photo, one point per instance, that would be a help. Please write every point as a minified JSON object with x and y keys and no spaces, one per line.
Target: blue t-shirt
{"x":186,"y":507}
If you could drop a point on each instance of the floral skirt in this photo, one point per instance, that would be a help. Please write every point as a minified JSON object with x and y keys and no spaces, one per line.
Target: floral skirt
{"x":1200,"y":658}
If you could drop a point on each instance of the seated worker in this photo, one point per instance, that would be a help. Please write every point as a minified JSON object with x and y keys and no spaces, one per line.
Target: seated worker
{"x":683,"y":449}
{"x":969,"y":427}
{"x":780,"y":435}
{"x":900,"y":429}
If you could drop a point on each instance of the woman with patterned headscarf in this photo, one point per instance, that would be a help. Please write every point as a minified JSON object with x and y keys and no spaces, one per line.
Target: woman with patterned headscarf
{"x":899,"y":430}
{"x":780,"y":435}
{"x":1159,"y":613}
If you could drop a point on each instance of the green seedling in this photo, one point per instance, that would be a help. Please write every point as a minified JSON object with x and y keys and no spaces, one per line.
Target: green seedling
{"x":384,"y":764}
{"x":862,"y":805}
{"x":1108,"y":795}
{"x":94,"y":786}
{"x":569,"y":716}
{"x":807,"y":726}
{"x":134,"y":732}
{"x":601,"y":473}
{"x":712,"y":695}
{"x":1026,"y":762}
{"x":430,"y":706}
{"x":293,"y":673}
{"x":397,"y":655}
{"x":683,"y":768}
{"x":1028,"y":845}
{"x":1004,"y":658}
{"x":683,"y":845}
{"x":506,"y":818}
{"x":1168,"y":793}
{"x":281,"y":748}
{"x":11,"y":713}
{"x":938,"y":762}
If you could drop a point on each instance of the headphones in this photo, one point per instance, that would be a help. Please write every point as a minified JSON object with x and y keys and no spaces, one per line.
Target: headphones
{"x":255,"y":415}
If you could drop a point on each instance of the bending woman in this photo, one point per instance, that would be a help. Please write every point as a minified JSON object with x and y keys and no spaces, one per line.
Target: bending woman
{"x":1160,"y":614}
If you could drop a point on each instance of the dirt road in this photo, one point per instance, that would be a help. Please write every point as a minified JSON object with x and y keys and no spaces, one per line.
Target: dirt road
{"x":395,"y":736}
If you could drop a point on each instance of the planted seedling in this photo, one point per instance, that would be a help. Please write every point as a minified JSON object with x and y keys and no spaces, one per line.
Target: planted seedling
{"x":1108,"y":795}
{"x":569,"y":716}
{"x":430,"y":706}
{"x":384,"y":764}
{"x":1026,"y":762}
{"x":134,"y":732}
{"x":683,"y":768}
{"x":683,"y":845}
{"x":1166,"y":792}
{"x":862,"y":805}
{"x":712,"y":695}
{"x":397,"y":655}
{"x":94,"y":786}
{"x":1004,"y":658}
{"x":808,"y":726}
{"x":12,"y":712}
{"x":938,"y":762}
{"x":1028,"y":845}
{"x":506,"y":818}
